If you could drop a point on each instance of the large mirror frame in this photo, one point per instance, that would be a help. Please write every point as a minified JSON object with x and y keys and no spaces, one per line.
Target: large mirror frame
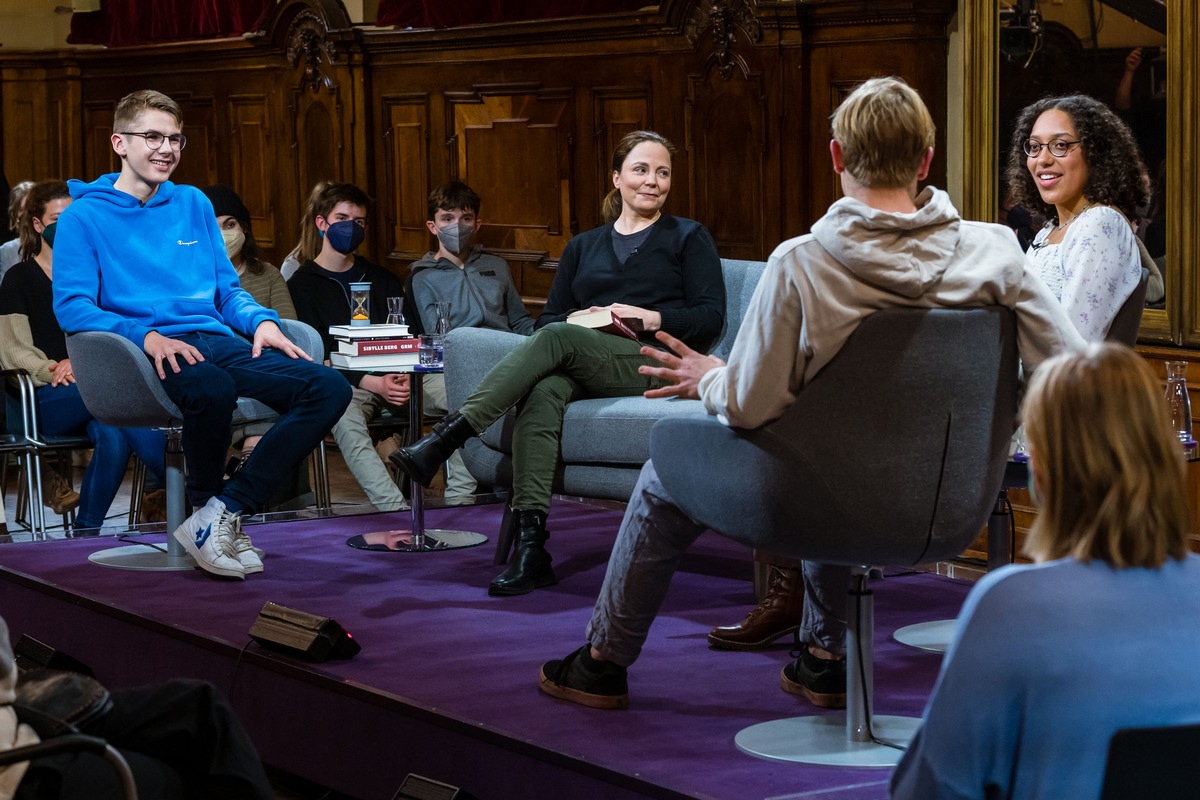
{"x":1179,"y":322}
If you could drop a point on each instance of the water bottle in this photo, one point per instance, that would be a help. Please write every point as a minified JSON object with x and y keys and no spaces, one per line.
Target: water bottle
{"x":1180,"y":405}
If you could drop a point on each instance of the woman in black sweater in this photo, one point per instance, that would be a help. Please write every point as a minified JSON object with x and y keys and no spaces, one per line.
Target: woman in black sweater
{"x":644,"y":265}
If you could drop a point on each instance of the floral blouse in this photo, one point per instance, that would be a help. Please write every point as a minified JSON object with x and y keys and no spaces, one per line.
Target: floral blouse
{"x":1092,"y":271}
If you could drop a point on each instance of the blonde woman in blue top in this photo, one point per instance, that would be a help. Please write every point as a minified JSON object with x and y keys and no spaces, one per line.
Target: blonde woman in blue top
{"x":1050,"y":659}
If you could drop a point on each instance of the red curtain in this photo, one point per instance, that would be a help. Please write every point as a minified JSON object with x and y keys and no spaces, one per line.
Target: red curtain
{"x":440,"y":14}
{"x":127,"y":22}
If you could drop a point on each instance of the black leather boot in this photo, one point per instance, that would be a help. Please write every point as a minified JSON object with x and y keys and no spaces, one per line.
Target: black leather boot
{"x":422,"y":459}
{"x":529,"y":566}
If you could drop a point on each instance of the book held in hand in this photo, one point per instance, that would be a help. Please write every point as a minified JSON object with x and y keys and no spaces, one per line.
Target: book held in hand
{"x":377,"y":347}
{"x":375,"y":363}
{"x":368,"y":331}
{"x":607,"y":320}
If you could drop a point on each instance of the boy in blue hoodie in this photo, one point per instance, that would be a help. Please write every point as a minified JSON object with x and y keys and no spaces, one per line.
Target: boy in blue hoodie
{"x":143,"y":258}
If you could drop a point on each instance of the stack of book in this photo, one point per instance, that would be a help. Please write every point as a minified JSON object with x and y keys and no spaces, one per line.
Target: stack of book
{"x":373,"y":347}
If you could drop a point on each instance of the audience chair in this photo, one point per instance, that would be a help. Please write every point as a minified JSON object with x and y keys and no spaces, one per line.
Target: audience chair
{"x":892,"y":455}
{"x":21,"y":398}
{"x":60,"y":737}
{"x":120,"y":387}
{"x":935,"y":636}
{"x":21,"y":445}
{"x":1158,"y":763}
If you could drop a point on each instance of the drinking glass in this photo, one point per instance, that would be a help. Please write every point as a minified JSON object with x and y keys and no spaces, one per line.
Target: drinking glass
{"x":395,"y":311}
{"x":430,"y":350}
{"x":441,"y":310}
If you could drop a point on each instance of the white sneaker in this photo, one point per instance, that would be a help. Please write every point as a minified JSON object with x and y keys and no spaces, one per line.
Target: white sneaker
{"x":243,"y":548}
{"x":208,"y":537}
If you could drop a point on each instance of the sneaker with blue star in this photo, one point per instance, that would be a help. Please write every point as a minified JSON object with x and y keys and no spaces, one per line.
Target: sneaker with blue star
{"x":208,"y":536}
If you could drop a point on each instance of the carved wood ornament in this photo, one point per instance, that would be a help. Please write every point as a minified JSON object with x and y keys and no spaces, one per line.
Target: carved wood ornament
{"x":308,"y":42}
{"x":724,"y":17}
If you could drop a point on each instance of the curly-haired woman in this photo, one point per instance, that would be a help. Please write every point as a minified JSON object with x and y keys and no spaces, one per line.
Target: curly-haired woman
{"x":1074,"y":160}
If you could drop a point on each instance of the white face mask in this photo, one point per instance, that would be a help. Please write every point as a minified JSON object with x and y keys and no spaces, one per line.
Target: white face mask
{"x":457,"y":238}
{"x":234,"y":239}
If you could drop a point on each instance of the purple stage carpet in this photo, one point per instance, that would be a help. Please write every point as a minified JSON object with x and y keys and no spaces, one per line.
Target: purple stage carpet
{"x":446,"y":684}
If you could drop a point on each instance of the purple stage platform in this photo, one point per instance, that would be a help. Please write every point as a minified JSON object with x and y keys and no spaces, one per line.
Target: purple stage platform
{"x":446,"y":684}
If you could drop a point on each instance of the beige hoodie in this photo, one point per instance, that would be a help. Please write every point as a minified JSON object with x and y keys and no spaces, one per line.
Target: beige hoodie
{"x":857,"y":260}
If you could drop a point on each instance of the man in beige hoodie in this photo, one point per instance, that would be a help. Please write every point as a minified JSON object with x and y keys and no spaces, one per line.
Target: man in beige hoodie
{"x":882,"y":245}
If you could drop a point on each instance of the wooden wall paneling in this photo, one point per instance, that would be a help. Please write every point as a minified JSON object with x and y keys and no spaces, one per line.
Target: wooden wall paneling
{"x":616,"y":111}
{"x":206,"y":147}
{"x":42,"y":106}
{"x":315,"y":146}
{"x":21,"y":156}
{"x":98,"y":154}
{"x":405,"y":183}
{"x":514,"y":145}
{"x":250,"y":157}
{"x":726,"y":137}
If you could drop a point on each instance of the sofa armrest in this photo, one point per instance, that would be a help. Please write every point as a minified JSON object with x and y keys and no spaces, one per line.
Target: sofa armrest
{"x":470,"y":354}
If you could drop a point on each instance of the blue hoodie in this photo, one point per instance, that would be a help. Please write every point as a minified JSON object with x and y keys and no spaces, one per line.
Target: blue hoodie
{"x":129,"y":268}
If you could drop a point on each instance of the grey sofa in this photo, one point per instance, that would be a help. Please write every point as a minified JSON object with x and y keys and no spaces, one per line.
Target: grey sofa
{"x":605,"y":442}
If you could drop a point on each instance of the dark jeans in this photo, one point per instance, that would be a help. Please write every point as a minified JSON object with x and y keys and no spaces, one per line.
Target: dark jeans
{"x":181,"y":740}
{"x":308,"y":396}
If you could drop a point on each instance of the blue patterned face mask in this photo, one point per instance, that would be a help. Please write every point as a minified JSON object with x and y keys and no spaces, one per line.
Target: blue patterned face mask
{"x":345,"y":236}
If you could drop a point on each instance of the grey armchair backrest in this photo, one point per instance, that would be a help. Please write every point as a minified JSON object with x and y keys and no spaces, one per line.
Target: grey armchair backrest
{"x":741,"y":279}
{"x":1125,"y":324}
{"x":893,"y":454}
{"x":120,"y":387}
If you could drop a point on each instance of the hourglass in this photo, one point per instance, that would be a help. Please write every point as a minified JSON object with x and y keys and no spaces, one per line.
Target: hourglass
{"x":360,"y":303}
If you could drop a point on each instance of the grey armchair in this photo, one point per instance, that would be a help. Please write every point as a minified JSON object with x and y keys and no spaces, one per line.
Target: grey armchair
{"x":605,"y":441}
{"x":120,"y":387}
{"x":894,"y":454}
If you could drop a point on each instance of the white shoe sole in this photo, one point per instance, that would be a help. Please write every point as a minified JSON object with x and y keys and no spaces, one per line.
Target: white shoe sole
{"x":189,"y":544}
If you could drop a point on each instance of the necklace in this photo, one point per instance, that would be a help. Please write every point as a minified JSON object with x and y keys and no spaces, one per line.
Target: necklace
{"x":1074,"y":217}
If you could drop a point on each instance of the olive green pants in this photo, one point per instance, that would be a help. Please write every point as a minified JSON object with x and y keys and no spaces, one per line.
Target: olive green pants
{"x":557,"y":364}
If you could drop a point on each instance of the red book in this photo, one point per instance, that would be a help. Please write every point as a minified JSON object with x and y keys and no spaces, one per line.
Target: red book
{"x":378,"y":347}
{"x":608,"y":321}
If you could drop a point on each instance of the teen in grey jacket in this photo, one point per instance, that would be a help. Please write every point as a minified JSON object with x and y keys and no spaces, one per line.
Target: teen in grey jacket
{"x":481,"y":294}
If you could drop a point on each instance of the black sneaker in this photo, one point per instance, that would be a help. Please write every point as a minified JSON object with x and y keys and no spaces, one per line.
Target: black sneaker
{"x":822,"y":682}
{"x":581,"y":679}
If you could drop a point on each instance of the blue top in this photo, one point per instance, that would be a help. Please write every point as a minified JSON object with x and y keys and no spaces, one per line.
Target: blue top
{"x":1048,"y":661}
{"x":130,"y":268}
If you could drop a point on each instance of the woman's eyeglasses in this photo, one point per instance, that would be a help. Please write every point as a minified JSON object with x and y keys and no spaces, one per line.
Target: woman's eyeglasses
{"x":1057,"y":147}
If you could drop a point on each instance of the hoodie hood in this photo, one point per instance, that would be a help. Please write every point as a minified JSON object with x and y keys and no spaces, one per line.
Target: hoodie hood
{"x":900,"y":253}
{"x":104,"y":189}
{"x":431,"y":261}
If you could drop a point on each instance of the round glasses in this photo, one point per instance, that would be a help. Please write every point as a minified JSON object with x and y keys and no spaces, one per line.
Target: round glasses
{"x":1057,"y":147}
{"x":154,"y":139}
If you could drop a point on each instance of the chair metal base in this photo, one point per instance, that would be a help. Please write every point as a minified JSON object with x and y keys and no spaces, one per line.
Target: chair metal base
{"x":403,"y":541}
{"x":822,"y":740}
{"x":932,"y":637}
{"x":142,"y":557}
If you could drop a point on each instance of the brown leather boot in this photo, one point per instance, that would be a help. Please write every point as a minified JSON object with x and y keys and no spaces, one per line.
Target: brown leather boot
{"x":57,"y":493}
{"x":777,"y":615}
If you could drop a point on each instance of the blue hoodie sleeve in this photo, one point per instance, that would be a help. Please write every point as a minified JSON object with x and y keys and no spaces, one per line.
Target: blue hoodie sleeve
{"x":77,"y":282}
